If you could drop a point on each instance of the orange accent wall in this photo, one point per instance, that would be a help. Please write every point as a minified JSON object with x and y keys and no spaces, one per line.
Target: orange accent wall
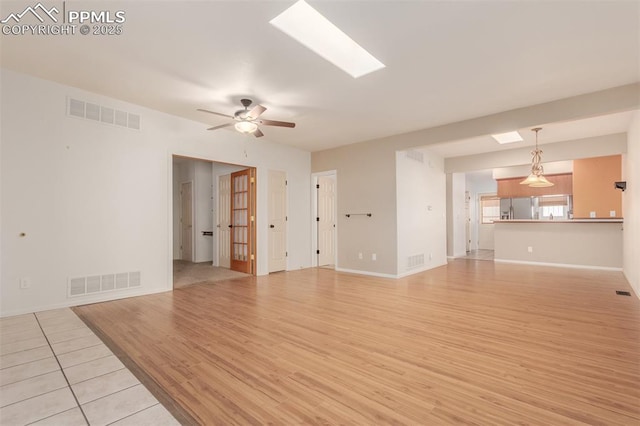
{"x":593,"y":187}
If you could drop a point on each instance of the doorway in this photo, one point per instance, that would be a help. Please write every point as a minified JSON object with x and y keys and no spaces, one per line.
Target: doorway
{"x":212,"y":218}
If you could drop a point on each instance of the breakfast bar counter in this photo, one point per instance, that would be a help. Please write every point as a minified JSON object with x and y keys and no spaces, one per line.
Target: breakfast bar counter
{"x":585,"y":243}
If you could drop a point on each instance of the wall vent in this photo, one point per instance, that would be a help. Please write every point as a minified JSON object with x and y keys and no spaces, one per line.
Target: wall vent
{"x":94,"y":284}
{"x":415,"y":155}
{"x":415,"y":261}
{"x":103,"y":114}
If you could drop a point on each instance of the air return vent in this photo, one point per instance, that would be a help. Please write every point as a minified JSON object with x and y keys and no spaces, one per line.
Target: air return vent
{"x":103,"y":114}
{"x":95,"y":284}
{"x":415,"y":261}
{"x":415,"y":155}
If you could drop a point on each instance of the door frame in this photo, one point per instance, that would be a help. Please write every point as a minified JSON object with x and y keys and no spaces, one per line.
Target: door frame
{"x":314,"y":215}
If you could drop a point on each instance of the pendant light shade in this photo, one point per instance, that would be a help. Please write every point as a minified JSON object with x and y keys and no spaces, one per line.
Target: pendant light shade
{"x":536,"y":179}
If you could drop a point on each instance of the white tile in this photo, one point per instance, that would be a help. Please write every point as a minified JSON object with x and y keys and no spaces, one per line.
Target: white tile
{"x":23,"y":357}
{"x":69,"y":324}
{"x":55,"y":313}
{"x":75,"y":333}
{"x":83,"y":355}
{"x":75,"y":344}
{"x":22,"y":345}
{"x":118,"y":405}
{"x":38,"y":408}
{"x":17,"y":336}
{"x":19,"y":327}
{"x":16,"y":319}
{"x":28,"y":370}
{"x":71,"y":417}
{"x":28,"y":388}
{"x":152,"y":416}
{"x":104,"y":385}
{"x":88,"y":370}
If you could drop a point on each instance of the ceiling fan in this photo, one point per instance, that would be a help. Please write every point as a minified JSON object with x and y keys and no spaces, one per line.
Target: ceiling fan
{"x":246,"y":121}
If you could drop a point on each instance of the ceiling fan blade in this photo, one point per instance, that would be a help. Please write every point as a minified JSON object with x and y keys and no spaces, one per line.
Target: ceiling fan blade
{"x":220,"y":126}
{"x":258,"y":133}
{"x":256,"y":111}
{"x":215,"y":113}
{"x":276,"y":123}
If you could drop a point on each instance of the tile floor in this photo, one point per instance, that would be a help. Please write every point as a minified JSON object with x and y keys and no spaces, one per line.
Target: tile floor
{"x":55,"y":371}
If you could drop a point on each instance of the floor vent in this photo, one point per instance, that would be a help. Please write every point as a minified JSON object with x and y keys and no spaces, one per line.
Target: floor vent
{"x":415,"y":261}
{"x":82,"y":286}
{"x":102,"y":114}
{"x":622,"y":293}
{"x":415,"y":155}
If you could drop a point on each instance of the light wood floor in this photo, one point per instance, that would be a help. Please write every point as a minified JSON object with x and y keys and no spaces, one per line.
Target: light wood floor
{"x":473,"y":342}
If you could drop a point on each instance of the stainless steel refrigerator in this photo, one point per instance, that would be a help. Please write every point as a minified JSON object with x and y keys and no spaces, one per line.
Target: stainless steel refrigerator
{"x":516,"y":208}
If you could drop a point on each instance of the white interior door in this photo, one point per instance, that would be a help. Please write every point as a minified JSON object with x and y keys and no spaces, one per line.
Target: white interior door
{"x":186,"y":221}
{"x":224,"y":221}
{"x":277,"y":187}
{"x":326,"y":220}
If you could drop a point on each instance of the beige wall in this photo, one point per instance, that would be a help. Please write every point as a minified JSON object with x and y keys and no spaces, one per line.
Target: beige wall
{"x":366,"y":183}
{"x":366,"y":170}
{"x":593,"y":244}
{"x":631,"y":206}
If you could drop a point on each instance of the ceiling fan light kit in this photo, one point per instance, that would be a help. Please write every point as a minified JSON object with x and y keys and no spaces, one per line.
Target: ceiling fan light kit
{"x":246,"y":126}
{"x":536,"y":179}
{"x":247,"y":120}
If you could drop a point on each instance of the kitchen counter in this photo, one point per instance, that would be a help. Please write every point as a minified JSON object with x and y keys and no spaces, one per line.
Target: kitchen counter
{"x":582,"y":243}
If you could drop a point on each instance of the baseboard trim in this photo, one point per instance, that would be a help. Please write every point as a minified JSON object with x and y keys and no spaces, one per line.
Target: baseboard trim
{"x":371,"y":274}
{"x":559,"y":265}
{"x":78,"y":302}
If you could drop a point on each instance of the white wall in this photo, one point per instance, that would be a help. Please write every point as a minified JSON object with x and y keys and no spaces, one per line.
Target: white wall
{"x":631,"y":206}
{"x":95,"y":198}
{"x":456,"y":215}
{"x":203,"y":210}
{"x":177,"y":168}
{"x":421,"y":211}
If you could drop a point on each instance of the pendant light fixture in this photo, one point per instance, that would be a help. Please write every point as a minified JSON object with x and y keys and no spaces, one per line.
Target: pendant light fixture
{"x":536,"y":179}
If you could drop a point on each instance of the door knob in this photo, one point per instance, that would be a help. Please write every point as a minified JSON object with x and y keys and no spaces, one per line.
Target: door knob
{"x":230,"y":226}
{"x":271,"y":226}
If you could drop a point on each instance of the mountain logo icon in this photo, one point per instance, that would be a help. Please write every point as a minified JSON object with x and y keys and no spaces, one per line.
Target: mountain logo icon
{"x":39,"y":11}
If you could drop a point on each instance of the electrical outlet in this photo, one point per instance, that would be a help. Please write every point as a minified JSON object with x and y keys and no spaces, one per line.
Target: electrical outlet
{"x":373,"y":256}
{"x":592,"y":215}
{"x":612,"y":213}
{"x":25,"y":283}
{"x":360,"y":255}
{"x":530,"y":249}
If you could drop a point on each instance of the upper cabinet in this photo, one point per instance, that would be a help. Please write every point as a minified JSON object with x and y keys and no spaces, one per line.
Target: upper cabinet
{"x":511,"y":188}
{"x":593,"y":187}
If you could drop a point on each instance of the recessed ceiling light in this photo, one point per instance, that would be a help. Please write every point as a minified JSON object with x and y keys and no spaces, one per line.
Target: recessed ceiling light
{"x":306,"y":25}
{"x":508,"y":137}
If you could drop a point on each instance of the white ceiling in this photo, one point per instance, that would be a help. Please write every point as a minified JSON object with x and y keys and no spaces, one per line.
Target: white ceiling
{"x":445,"y":61}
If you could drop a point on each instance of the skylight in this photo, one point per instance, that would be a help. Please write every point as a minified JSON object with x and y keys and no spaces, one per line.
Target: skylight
{"x":307,"y":26}
{"x":508,"y":137}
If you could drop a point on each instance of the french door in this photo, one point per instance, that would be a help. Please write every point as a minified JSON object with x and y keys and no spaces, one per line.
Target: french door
{"x":243,"y":220}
